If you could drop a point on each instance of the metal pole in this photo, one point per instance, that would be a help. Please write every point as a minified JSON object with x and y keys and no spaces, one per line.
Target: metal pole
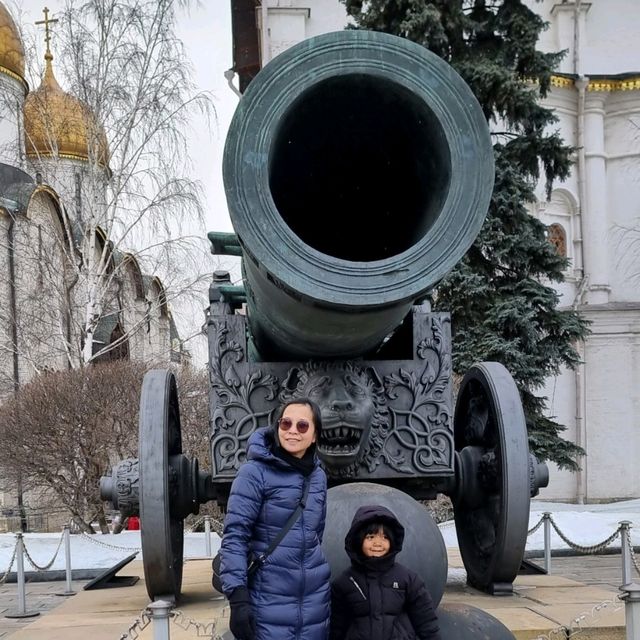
{"x":67,"y":559}
{"x":626,"y":551}
{"x":631,"y":597}
{"x":159,"y":613}
{"x":207,"y":536}
{"x":264,"y":32}
{"x":22,"y":600}
{"x":547,"y":541}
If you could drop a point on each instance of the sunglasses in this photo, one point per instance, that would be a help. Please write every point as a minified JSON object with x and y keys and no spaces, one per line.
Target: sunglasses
{"x":286,"y":423}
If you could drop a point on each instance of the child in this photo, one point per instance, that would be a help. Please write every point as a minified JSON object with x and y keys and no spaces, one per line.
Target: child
{"x":377,"y":598}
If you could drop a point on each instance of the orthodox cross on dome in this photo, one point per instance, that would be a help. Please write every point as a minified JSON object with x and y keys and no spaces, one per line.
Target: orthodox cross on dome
{"x":47,"y":37}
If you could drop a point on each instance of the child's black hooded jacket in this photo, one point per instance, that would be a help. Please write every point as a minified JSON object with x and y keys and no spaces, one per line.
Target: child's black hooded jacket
{"x":377,"y":598}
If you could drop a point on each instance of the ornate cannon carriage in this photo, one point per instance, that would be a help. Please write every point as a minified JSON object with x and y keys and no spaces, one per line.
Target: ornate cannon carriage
{"x":358,"y":170}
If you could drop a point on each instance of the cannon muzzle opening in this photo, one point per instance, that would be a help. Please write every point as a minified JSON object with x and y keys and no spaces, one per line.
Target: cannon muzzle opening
{"x":358,"y":169}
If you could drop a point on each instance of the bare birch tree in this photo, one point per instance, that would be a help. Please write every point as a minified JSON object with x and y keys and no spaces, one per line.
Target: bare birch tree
{"x":131,"y":208}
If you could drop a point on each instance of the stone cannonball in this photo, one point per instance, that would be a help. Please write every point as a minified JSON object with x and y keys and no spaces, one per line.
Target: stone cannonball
{"x":423,"y":549}
{"x":464,"y":622}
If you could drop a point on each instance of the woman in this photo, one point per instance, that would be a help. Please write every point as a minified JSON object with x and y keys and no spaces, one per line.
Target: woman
{"x":288,"y":596}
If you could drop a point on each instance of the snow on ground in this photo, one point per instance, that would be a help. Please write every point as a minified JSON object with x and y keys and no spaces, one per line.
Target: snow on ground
{"x":585,"y":525}
{"x":90,"y":552}
{"x":582,"y":524}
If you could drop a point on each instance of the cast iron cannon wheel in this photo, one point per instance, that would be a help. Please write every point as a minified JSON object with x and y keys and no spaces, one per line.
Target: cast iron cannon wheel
{"x":161,"y":532}
{"x":493,"y":477}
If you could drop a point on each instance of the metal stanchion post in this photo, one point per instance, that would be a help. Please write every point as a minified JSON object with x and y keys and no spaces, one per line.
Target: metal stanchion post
{"x":547,"y":541}
{"x":67,"y":559}
{"x":207,"y":536}
{"x":631,"y":597}
{"x":22,"y":600}
{"x":626,"y":551}
{"x":159,"y":613}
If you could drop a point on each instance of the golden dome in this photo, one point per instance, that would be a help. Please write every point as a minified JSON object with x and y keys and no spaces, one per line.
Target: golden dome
{"x":11,"y":49}
{"x":56,"y":124}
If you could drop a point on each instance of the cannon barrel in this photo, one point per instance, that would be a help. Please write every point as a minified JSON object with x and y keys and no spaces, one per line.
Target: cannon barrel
{"x":358,"y":170}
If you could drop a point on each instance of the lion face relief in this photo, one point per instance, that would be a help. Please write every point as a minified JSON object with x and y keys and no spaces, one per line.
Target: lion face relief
{"x":353,"y":410}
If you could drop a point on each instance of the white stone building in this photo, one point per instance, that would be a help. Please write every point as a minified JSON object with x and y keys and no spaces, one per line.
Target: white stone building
{"x":54,"y":167}
{"x":54,"y":173}
{"x":594,"y":216}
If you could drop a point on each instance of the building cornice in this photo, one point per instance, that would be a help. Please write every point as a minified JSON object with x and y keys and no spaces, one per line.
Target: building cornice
{"x":598,"y":83}
{"x":611,"y":319}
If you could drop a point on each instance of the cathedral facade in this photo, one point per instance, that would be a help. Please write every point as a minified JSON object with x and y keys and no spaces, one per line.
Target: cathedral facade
{"x":593,"y":217}
{"x":54,"y":168}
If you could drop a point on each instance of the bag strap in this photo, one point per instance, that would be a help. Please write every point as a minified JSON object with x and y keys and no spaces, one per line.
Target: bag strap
{"x":288,"y":524}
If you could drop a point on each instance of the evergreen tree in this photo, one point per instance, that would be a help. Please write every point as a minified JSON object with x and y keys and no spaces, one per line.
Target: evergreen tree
{"x":501,"y":306}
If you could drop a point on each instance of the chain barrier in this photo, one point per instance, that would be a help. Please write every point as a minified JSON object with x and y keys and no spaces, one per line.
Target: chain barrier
{"x":589,"y":617}
{"x":106,"y":544}
{"x":33,"y":563}
{"x":558,"y":632}
{"x":13,"y":559}
{"x":535,"y":527}
{"x":576,"y":626}
{"x":139,"y":625}
{"x":202,"y":630}
{"x":217,"y":526}
{"x":595,"y":548}
{"x":195,"y":525}
{"x":634,"y":559}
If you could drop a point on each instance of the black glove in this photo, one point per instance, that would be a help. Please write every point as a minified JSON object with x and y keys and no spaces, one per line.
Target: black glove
{"x":241,"y":621}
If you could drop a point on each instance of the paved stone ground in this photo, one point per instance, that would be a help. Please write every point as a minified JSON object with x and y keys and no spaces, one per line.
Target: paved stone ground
{"x":40,"y":596}
{"x":604,"y":571}
{"x":597,"y":571}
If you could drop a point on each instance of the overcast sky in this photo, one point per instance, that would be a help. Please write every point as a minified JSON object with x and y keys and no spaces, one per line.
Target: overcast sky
{"x":206,"y":31}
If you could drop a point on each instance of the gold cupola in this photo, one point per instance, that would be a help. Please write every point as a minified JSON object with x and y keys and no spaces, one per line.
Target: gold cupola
{"x":58,"y":125}
{"x":11,"y":49}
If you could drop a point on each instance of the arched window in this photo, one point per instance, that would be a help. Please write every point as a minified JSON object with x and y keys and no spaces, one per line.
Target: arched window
{"x":121,"y":350}
{"x":110,"y":332}
{"x":557,"y":236}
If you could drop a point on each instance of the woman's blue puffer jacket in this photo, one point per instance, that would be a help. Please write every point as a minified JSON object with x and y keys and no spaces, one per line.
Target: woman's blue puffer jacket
{"x":290,"y":593}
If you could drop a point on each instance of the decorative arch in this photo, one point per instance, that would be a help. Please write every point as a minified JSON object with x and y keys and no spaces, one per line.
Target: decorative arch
{"x":104,"y":241}
{"x":562,"y":203}
{"x":132,"y":268}
{"x":43,"y":190}
{"x":156,"y":284}
{"x":156,"y":317}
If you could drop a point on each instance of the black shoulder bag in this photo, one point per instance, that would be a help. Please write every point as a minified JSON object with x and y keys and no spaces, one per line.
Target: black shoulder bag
{"x":255,"y":562}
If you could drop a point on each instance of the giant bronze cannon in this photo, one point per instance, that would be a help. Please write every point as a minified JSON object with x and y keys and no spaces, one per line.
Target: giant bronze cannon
{"x":358,"y":171}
